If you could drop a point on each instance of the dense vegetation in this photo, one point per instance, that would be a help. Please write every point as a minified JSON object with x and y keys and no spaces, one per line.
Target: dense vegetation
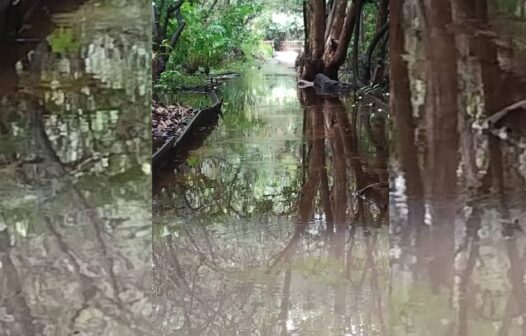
{"x":209,"y":36}
{"x":195,"y":36}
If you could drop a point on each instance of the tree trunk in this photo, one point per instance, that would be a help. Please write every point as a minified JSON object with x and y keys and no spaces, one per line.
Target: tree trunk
{"x":383,"y":13}
{"x":161,"y":19}
{"x":400,"y":105}
{"x":441,"y":114}
{"x":329,"y":39}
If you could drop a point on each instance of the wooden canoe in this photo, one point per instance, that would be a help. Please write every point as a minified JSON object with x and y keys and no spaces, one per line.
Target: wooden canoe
{"x":174,"y":144}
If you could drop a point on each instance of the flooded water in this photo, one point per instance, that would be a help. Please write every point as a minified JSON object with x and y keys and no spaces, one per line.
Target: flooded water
{"x":75,"y":233}
{"x":458,"y":181}
{"x":277,"y":223}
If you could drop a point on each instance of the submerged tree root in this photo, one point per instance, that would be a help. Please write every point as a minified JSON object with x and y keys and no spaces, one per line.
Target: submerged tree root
{"x":326,"y":86}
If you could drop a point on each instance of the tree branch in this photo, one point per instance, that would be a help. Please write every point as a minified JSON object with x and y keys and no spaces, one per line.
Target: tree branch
{"x":348,"y":27}
{"x":169,"y":12}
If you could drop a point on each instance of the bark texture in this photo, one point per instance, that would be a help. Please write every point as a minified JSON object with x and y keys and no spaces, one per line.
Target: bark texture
{"x":328,"y":37}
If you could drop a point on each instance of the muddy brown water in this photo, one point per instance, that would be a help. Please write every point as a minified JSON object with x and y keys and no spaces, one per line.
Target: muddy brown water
{"x":260,"y":229}
{"x":275,"y":221}
{"x":75,"y":186}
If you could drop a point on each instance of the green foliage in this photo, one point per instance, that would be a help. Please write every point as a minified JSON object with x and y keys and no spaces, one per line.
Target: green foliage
{"x":420,"y":309}
{"x":370,"y":13}
{"x":367,"y":33}
{"x":266,"y":50}
{"x":174,"y":79}
{"x":211,"y":40}
{"x":62,"y":41}
{"x":507,"y":6}
{"x":280,"y":26}
{"x":192,"y":160}
{"x":219,"y":33}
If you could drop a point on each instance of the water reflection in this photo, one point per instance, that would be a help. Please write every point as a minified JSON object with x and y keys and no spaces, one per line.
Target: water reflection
{"x":458,"y":250}
{"x":74,"y":233}
{"x":276,"y":224}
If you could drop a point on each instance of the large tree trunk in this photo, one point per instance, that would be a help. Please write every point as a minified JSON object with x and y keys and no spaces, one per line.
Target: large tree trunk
{"x":400,"y":105}
{"x":328,"y":39}
{"x":441,"y":114}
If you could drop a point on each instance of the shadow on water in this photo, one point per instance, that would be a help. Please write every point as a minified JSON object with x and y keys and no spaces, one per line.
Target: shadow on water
{"x":458,"y":182}
{"x":75,"y":192}
{"x":276,"y":224}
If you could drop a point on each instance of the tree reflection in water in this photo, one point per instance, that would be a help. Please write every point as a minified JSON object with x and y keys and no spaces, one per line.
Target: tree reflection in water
{"x":74,"y":182}
{"x":458,"y":253}
{"x":295,"y":244}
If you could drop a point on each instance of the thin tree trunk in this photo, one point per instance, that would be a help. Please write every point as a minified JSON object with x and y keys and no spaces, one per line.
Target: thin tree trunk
{"x":163,"y":52}
{"x":383,"y":13}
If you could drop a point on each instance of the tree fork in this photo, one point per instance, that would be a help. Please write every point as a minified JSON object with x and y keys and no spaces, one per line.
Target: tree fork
{"x":329,"y":38}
